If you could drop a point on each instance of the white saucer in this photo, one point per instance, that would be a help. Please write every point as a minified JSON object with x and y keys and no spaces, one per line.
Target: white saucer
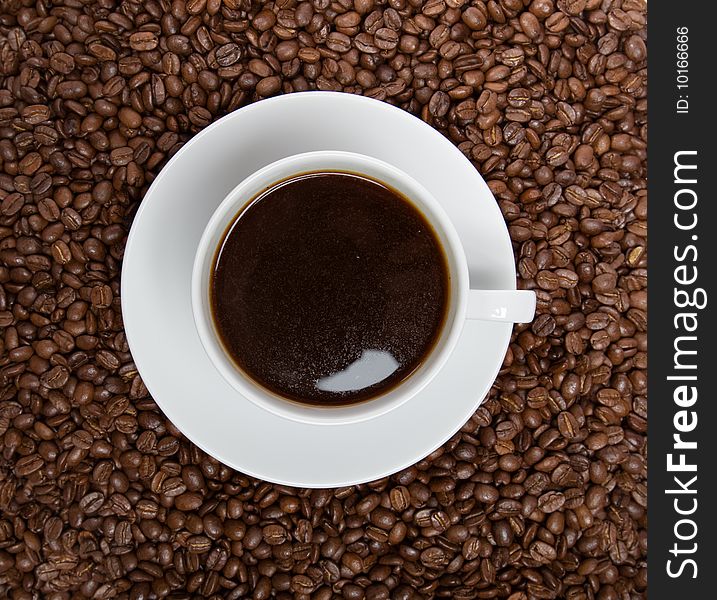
{"x":156,"y":298}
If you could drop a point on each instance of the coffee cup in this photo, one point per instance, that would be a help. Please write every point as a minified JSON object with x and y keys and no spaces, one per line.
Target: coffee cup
{"x":465,"y":298}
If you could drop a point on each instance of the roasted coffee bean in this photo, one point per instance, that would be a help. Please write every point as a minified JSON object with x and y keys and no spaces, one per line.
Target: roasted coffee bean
{"x":143,"y":41}
{"x":551,"y":501}
{"x":400,"y":498}
{"x":198,"y":544}
{"x":274,"y":535}
{"x":567,"y":424}
{"x":542,"y":552}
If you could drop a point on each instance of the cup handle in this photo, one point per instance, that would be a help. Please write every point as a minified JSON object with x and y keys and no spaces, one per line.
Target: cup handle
{"x":502,"y":306}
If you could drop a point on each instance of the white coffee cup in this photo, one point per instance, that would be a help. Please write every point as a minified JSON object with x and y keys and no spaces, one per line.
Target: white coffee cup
{"x":465,"y":302}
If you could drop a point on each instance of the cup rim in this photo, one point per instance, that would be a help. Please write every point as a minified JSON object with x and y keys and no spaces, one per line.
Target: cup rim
{"x":215,"y":232}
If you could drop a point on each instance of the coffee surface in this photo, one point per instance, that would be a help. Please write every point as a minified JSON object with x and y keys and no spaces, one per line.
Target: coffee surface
{"x":329,"y":289}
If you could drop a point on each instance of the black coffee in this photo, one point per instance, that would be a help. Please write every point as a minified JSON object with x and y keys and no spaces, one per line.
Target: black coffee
{"x":329,"y":289}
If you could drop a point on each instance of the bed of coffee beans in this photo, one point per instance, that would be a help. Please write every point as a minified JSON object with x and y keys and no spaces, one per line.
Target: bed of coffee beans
{"x":542,"y":495}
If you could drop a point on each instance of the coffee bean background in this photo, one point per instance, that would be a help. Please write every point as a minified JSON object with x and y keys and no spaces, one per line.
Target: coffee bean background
{"x":541,"y":495}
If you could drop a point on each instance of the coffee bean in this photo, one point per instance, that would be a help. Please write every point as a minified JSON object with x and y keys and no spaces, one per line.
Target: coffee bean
{"x":55,"y":377}
{"x":143,"y":41}
{"x":130,"y":117}
{"x":62,"y":63}
{"x":386,"y":38}
{"x":198,"y":544}
{"x":543,"y":325}
{"x":27,"y":465}
{"x":11,"y":204}
{"x":434,"y":558}
{"x":71,"y":90}
{"x":92,"y":502}
{"x":101,"y":296}
{"x":439,"y":104}
{"x":121,"y":156}
{"x":400,"y":498}
{"x":551,"y":501}
{"x":474,"y":18}
{"x":567,"y":424}
{"x":486,"y":493}
{"x":268,"y":86}
{"x":274,"y":534}
{"x":548,"y":280}
{"x":228,"y":54}
{"x":542,"y":552}
{"x":35,"y":114}
{"x":530,"y":25}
